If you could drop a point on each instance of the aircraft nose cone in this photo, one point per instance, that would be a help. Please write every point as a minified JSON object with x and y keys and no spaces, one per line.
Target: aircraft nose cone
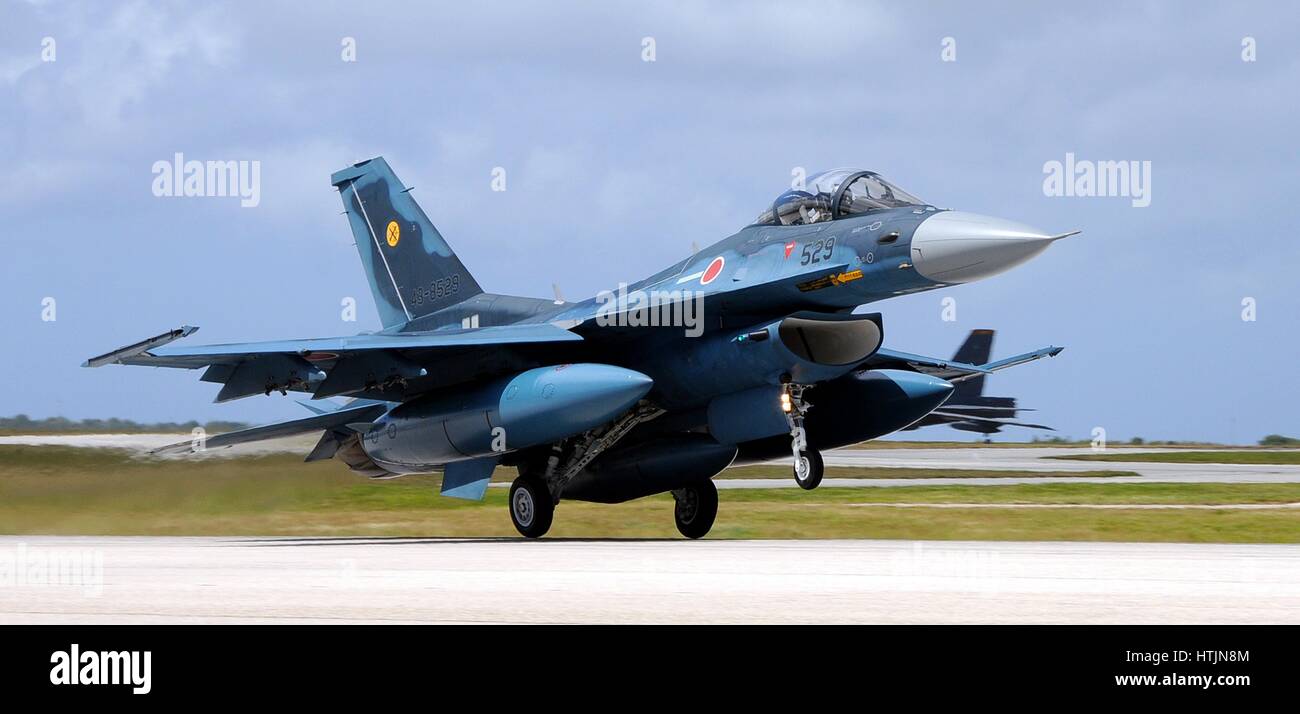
{"x":960,"y":247}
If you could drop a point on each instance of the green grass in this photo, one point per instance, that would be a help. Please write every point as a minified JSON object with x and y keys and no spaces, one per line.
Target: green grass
{"x":869,"y":472}
{"x":1064,"y":494}
{"x":1044,"y":444}
{"x":65,"y":490}
{"x":1197,"y":457}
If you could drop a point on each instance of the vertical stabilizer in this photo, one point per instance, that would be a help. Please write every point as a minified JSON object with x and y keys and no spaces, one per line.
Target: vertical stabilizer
{"x":411,"y":269}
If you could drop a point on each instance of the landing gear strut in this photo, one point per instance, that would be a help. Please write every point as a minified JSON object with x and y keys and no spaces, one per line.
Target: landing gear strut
{"x":808,"y":465}
{"x":696,"y":509}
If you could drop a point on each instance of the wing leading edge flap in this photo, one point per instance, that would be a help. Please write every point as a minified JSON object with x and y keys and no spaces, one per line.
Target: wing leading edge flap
{"x":495,"y":335}
{"x":333,"y":420}
{"x":153,"y":352}
{"x":325,"y":366}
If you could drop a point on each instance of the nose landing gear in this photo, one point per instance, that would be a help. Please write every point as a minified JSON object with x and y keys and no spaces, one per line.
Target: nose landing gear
{"x":808,"y":469}
{"x":808,"y":465}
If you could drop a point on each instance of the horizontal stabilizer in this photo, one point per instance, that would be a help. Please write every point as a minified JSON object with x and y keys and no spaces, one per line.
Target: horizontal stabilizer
{"x":322,"y":408}
{"x":365,"y":413}
{"x":329,"y":444}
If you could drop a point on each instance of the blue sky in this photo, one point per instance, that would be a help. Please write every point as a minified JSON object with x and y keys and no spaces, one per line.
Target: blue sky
{"x":615,"y":165}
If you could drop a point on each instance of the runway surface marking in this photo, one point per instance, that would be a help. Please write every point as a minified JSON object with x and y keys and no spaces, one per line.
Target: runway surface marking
{"x":508,"y":580}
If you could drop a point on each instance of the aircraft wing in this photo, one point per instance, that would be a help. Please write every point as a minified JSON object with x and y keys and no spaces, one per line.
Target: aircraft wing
{"x":1022,"y":358}
{"x":953,"y":417}
{"x":363,"y":412}
{"x":371,"y":365}
{"x":885,"y":358}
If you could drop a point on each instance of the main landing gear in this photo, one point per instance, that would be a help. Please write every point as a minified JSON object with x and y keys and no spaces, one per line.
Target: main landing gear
{"x":696,"y":509}
{"x":531,"y":507}
{"x":808,"y":465}
{"x":535,"y":492}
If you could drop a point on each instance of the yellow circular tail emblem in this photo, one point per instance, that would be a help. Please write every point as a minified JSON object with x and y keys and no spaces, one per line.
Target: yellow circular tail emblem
{"x":394,"y":234}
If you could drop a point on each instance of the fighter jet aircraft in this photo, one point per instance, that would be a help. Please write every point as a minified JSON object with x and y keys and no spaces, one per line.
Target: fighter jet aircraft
{"x":968,"y":409}
{"x":622,"y":395}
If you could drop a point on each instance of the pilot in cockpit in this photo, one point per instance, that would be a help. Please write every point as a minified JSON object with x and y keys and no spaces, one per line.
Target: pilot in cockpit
{"x":833,"y":194}
{"x":796,"y":208}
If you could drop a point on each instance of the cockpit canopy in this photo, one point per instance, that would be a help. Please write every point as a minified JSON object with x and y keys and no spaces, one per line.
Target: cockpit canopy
{"x":838,"y":193}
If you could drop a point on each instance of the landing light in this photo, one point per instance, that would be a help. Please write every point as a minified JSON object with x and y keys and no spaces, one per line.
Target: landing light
{"x":786,"y":405}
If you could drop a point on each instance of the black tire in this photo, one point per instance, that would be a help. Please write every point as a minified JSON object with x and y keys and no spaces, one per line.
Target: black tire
{"x":816,"y":469}
{"x":531,"y":507}
{"x":696,"y":508}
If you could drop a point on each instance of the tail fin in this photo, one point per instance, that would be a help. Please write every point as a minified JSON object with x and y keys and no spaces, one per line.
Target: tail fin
{"x":975,"y":350}
{"x":411,"y":269}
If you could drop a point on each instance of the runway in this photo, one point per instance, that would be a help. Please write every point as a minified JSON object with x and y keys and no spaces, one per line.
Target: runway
{"x":141,"y":579}
{"x":973,"y":458}
{"x":1026,"y":459}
